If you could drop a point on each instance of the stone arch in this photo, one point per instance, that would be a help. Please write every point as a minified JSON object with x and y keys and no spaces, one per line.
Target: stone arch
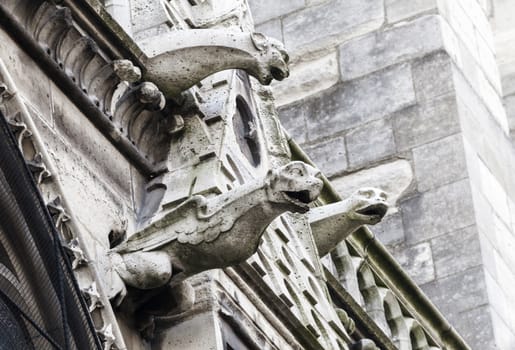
{"x":396,"y":321}
{"x":418,"y":337}
{"x":347,"y":266}
{"x":372,"y":296}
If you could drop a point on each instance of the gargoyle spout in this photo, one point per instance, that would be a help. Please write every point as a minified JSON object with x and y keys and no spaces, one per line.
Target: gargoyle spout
{"x":181,"y":59}
{"x":206,"y":233}
{"x":334,"y":222}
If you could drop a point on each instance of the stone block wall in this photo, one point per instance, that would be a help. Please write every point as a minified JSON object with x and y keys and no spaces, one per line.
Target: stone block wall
{"x":407,"y":96}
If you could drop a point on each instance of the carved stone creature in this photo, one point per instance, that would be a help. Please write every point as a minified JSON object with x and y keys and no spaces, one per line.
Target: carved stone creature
{"x":334,"y":222}
{"x":184,"y":58}
{"x":202,"y":234}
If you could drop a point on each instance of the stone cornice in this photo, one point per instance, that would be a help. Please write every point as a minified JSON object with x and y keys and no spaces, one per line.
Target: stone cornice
{"x":81,"y":60}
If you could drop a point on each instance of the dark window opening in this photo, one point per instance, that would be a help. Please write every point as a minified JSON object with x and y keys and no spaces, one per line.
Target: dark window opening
{"x":246,"y":131}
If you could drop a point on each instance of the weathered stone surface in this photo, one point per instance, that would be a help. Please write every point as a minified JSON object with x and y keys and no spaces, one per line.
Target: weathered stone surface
{"x":480,"y":18}
{"x":307,"y":78}
{"x":501,"y":301}
{"x":264,"y":10}
{"x":470,"y":75}
{"x":390,"y":230}
{"x":508,"y":82}
{"x":294,"y":119}
{"x":476,"y":327}
{"x":448,"y":247}
{"x":444,"y":209}
{"x":463,"y":27}
{"x":417,"y":261}
{"x":331,"y":156}
{"x":509,"y":104}
{"x":394,"y":178}
{"x":494,"y":192}
{"x":505,"y":242}
{"x":502,"y":24}
{"x":505,"y":337}
{"x":146,"y":14}
{"x":27,"y":72}
{"x":185,"y":335}
{"x":98,"y":206}
{"x":479,"y":125}
{"x":468,"y":289}
{"x":440,"y":162}
{"x":397,"y":10}
{"x":348,"y":105}
{"x":432,"y":76}
{"x":381,"y":49}
{"x":326,"y":24}
{"x":486,"y":59}
{"x":272,"y":28}
{"x":121,"y":12}
{"x":487,"y":252}
{"x":426,"y":122}
{"x":505,"y":277}
{"x":100,"y":156}
{"x":370,"y":142}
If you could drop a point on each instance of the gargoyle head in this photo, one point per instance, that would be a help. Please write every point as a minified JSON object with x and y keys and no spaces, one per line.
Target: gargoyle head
{"x":273,"y":59}
{"x":369,"y":205}
{"x":296,"y":184}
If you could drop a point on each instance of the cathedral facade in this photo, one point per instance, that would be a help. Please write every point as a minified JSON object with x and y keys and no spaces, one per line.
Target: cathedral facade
{"x":154,"y":200}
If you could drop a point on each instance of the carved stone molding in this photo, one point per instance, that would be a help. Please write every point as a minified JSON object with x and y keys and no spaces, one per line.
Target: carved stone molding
{"x":107,"y":89}
{"x":42,"y":170}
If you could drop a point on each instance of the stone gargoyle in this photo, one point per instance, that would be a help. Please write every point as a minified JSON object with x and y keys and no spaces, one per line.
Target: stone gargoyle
{"x":334,"y":222}
{"x":206,"y":233}
{"x":184,"y":58}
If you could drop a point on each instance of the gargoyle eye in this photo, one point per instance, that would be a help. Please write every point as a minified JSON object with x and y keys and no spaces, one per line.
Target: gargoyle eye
{"x":367,"y":194}
{"x":297,"y":172}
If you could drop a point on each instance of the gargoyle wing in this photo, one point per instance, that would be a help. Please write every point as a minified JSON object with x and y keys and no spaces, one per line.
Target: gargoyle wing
{"x":183,"y":223}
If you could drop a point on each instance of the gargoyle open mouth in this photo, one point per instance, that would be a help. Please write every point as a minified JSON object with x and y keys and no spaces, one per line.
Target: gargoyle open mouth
{"x":278,"y":73}
{"x":376,"y":211}
{"x":299,"y":198}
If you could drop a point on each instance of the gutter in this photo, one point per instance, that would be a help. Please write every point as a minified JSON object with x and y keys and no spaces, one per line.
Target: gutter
{"x":389,"y":270}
